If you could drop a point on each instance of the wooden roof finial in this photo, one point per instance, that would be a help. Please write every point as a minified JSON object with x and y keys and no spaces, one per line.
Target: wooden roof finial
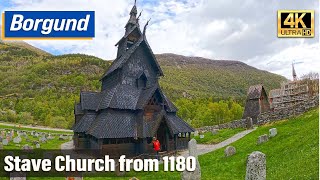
{"x":145,"y":27}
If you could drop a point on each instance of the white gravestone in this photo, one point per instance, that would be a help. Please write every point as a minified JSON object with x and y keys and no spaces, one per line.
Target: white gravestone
{"x":196,"y":174}
{"x":256,"y":166}
{"x":5,"y":142}
{"x":273,"y":132}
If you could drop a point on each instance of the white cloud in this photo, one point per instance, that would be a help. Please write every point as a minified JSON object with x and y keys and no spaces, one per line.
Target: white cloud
{"x":220,"y":29}
{"x":305,"y":55}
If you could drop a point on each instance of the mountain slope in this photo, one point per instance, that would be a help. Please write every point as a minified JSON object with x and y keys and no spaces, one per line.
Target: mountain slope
{"x":200,"y":77}
{"x":38,"y":88}
{"x":25,"y":45}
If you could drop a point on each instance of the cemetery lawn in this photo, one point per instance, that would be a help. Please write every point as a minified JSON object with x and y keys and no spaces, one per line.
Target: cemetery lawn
{"x":292,"y":154}
{"x":50,"y":144}
{"x":222,"y":135}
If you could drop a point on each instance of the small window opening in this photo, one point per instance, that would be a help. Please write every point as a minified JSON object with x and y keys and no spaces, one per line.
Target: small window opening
{"x":129,"y":44}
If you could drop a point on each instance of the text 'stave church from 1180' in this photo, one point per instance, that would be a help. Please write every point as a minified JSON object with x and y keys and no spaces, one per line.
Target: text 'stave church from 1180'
{"x":131,"y":107}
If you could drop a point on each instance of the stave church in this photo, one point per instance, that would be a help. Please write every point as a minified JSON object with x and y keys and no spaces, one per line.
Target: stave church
{"x":131,"y":108}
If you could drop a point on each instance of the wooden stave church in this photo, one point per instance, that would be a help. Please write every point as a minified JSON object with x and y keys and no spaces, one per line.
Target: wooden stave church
{"x":131,"y":107}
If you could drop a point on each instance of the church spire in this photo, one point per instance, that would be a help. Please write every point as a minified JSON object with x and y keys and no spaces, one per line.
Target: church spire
{"x":133,"y":16}
{"x":294,"y":74}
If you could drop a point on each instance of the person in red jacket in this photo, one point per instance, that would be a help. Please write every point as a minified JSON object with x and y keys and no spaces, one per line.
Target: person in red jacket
{"x":156,"y":146}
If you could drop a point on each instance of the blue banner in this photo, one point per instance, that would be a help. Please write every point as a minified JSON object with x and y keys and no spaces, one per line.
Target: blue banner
{"x":48,"y":24}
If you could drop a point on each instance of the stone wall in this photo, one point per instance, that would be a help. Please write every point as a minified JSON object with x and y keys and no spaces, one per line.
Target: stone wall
{"x":241,"y":123}
{"x":268,"y":116}
{"x":288,"y":112}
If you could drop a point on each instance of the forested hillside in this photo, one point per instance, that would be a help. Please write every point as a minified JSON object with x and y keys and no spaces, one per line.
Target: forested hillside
{"x":199,"y":77}
{"x":38,"y":88}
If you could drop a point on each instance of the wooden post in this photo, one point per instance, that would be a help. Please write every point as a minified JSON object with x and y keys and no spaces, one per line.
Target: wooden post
{"x":175,"y":141}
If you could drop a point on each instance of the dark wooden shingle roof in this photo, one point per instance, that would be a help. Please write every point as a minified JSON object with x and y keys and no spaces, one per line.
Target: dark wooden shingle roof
{"x":114,"y":124}
{"x":85,"y":122}
{"x":117,"y":63}
{"x":89,"y":100}
{"x":254,"y":92}
{"x":178,"y":125}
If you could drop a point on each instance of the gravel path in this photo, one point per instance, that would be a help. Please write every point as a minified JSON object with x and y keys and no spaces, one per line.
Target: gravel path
{"x":67,"y":145}
{"x":203,"y":148}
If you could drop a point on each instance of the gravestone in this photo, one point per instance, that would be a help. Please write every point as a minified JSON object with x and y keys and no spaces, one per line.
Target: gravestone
{"x":196,"y":133}
{"x":18,"y":176}
{"x":38,"y":145}
{"x":249,"y":123}
{"x":256,"y":166}
{"x":27,"y":148}
{"x":43,"y":139}
{"x":273,"y":132}
{"x":117,"y":170}
{"x":8,"y":138}
{"x":5,"y":142}
{"x":50,"y":137}
{"x":27,"y":139}
{"x":201,"y":136}
{"x":196,"y":174}
{"x":192,"y":147}
{"x":214,"y":131}
{"x":133,"y":178}
{"x":17,"y":140}
{"x":262,"y":139}
{"x":63,"y":137}
{"x":229,"y":151}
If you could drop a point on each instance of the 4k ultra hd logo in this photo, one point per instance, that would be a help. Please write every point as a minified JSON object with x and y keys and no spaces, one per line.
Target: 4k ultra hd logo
{"x":296,"y":23}
{"x":22,"y":25}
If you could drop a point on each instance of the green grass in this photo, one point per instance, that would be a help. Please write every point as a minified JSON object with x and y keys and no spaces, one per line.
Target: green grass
{"x":292,"y":154}
{"x":50,"y":144}
{"x":222,"y":135}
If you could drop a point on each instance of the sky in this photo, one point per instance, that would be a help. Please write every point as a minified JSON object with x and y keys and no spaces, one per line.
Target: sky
{"x":243,"y":30}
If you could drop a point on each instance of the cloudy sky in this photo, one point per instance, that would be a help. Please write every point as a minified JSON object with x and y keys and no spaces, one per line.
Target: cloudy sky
{"x":243,"y":30}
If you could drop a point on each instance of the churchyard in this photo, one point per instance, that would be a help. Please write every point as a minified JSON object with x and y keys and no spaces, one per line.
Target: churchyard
{"x":16,"y":138}
{"x":290,"y":149}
